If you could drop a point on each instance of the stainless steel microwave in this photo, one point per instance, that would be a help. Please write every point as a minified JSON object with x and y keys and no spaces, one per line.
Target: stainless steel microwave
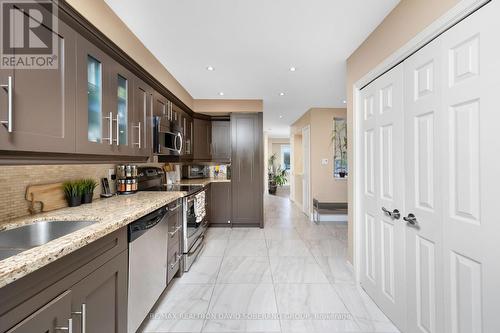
{"x":167,"y":136}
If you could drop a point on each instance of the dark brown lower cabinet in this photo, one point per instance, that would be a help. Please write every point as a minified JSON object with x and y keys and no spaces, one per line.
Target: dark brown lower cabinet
{"x":247,"y":170}
{"x":100,"y":299}
{"x":87,"y":285}
{"x":56,"y":314}
{"x":220,"y":204}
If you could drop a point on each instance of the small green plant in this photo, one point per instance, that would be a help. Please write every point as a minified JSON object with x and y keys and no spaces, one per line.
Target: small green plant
{"x":88,"y":185}
{"x":71,"y":189}
{"x":280,"y":176}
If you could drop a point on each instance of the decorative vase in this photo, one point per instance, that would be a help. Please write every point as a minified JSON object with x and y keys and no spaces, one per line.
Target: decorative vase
{"x":74,"y":201}
{"x":87,"y":198}
{"x":342,"y":174}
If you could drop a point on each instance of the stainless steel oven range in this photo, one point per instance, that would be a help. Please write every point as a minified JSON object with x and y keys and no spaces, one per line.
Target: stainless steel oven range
{"x":194,"y":225}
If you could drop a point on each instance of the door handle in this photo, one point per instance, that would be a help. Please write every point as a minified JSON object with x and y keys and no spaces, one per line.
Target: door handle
{"x":8,"y":123}
{"x":139,"y":134}
{"x":395,"y":214}
{"x":411,"y":219}
{"x":83,"y":313}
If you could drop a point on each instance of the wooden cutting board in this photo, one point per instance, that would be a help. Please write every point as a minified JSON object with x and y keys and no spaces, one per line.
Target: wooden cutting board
{"x":49,"y":196}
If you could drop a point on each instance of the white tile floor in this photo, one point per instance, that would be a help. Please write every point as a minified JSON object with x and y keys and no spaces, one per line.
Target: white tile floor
{"x":291,"y":276}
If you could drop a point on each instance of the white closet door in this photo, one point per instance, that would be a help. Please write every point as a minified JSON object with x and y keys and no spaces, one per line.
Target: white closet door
{"x":471,"y":185}
{"x":384,"y":239}
{"x":423,"y":141}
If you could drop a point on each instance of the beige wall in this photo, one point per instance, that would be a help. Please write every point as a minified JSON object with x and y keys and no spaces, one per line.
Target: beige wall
{"x":211,"y":106}
{"x":403,"y":23}
{"x":324,"y":186}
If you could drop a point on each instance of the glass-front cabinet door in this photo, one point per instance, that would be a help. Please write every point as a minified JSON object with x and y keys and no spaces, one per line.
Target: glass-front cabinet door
{"x":122,"y":82}
{"x":142,"y":119}
{"x":95,"y":128}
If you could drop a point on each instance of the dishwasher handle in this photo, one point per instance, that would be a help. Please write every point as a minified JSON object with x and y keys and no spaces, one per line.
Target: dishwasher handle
{"x":139,"y":227}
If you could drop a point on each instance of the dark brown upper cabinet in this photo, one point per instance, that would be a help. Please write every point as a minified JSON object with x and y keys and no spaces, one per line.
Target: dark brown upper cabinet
{"x":42,"y":108}
{"x":221,"y":141}
{"x":122,"y":106}
{"x":202,"y":139}
{"x":247,"y":177}
{"x":95,"y":121}
{"x":186,"y":123}
{"x":142,"y":119}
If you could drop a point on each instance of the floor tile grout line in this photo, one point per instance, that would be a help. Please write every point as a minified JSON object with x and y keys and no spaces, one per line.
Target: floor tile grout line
{"x":274,"y":287}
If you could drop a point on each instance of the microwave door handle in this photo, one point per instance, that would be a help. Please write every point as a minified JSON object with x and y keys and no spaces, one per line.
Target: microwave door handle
{"x":180,"y":142}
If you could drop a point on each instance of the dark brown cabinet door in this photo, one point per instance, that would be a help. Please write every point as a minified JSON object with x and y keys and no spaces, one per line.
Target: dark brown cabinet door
{"x":42,"y":117}
{"x":95,"y":120}
{"x":174,"y":252}
{"x":186,"y":123}
{"x":142,"y":119}
{"x":51,"y":318}
{"x":122,"y":105}
{"x":247,"y":175}
{"x":220,"y":204}
{"x":100,"y":299}
{"x":221,"y":141}
{"x":202,"y":139}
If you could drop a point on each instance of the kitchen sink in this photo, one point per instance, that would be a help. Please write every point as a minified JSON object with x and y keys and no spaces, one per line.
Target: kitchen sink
{"x":14,"y":241}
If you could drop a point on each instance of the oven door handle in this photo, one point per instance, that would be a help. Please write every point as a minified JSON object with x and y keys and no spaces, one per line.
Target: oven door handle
{"x":200,"y":243}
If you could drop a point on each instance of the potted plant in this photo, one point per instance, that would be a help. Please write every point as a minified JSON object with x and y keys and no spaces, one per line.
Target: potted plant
{"x":73,"y":193}
{"x":280,"y":177}
{"x":271,"y":184}
{"x":88,"y":186}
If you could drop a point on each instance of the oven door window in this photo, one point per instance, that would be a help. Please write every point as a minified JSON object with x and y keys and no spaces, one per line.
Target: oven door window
{"x":192,"y":226}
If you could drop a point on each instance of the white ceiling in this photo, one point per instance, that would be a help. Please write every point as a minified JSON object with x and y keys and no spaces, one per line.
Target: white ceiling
{"x":253,"y":43}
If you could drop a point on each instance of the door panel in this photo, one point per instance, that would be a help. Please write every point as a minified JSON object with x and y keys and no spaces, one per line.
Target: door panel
{"x":383,"y":179}
{"x":471,"y":66}
{"x":423,"y":141}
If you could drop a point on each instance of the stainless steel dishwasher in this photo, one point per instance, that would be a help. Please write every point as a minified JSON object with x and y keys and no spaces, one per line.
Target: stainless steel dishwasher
{"x":147,"y":265}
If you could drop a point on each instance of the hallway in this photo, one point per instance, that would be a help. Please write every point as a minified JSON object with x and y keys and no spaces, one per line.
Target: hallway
{"x":245,"y":277}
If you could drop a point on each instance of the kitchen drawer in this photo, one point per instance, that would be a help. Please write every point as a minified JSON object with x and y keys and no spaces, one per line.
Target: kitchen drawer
{"x":173,"y":263}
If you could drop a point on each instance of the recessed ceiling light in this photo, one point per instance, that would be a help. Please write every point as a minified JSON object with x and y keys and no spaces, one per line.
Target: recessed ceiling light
{"x":281,"y":116}
{"x":282,"y":94}
{"x":293,"y":69}
{"x":221,"y":94}
{"x":210,"y":68}
{"x":344,"y":101}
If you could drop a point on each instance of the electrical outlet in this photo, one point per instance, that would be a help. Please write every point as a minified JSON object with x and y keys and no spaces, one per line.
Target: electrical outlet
{"x":324,"y":161}
{"x":111,"y":173}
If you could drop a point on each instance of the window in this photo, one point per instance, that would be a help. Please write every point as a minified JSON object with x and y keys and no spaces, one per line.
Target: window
{"x":285,"y":157}
{"x":339,"y":141}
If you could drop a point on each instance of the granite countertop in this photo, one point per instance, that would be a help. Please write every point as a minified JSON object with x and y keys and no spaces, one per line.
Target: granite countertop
{"x":203,"y":181}
{"x":111,"y":214}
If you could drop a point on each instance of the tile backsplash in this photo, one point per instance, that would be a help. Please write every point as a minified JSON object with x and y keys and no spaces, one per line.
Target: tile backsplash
{"x":15,"y":179}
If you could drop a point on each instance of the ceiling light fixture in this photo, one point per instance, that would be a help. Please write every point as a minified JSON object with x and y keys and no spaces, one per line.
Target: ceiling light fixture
{"x":210,"y":68}
{"x":221,"y":94}
{"x":344,"y":101}
{"x":281,"y":116}
{"x":282,"y":94}
{"x":293,"y":69}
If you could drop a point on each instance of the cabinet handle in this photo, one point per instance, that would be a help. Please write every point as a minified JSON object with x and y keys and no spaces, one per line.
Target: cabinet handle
{"x":117,"y":140}
{"x":83,"y":313}
{"x":8,"y":87}
{"x":172,"y":233}
{"x":139,"y":129}
{"x":172,"y":265}
{"x":110,"y":138}
{"x":68,"y":328}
